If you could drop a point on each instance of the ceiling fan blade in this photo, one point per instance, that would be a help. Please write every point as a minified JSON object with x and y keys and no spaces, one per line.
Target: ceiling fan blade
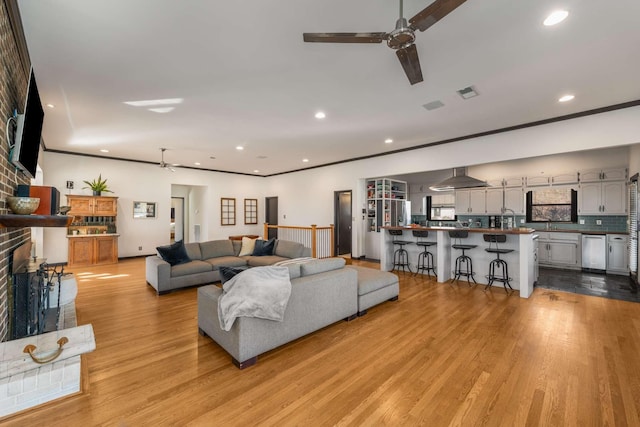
{"x":344,"y":37}
{"x":409,"y":59}
{"x":433,"y":13}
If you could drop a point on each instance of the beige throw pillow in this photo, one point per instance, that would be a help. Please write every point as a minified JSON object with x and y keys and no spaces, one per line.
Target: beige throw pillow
{"x":247,"y":246}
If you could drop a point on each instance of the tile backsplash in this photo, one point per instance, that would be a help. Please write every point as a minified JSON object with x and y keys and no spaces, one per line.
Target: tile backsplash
{"x":614,"y":223}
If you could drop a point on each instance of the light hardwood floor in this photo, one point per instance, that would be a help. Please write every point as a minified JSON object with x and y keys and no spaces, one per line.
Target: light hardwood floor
{"x":441,"y":355}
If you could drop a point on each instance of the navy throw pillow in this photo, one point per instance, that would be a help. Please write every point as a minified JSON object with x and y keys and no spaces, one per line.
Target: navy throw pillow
{"x":264,"y":247}
{"x":226,"y":273}
{"x":174,"y":254}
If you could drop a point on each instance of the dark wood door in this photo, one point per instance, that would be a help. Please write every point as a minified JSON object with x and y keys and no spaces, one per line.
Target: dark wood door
{"x":271,"y":215}
{"x":342,"y":214}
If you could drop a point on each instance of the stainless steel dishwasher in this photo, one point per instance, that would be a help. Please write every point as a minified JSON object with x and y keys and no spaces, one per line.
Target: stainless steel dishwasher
{"x":594,"y":252}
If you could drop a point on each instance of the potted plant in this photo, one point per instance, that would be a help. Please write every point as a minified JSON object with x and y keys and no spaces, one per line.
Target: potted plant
{"x":98,"y":186}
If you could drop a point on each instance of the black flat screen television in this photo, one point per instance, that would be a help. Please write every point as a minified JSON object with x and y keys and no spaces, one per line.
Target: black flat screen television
{"x":29,"y":129}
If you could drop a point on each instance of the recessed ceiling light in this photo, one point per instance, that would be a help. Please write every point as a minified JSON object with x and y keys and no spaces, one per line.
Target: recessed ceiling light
{"x":556,"y":17}
{"x":152,"y":102}
{"x":162,"y":109}
{"x":305,"y":160}
{"x":239,"y":148}
{"x":388,"y":141}
{"x":320,"y":115}
{"x":566,"y":98}
{"x":51,"y":106}
{"x":256,"y":171}
{"x":104,"y":150}
{"x":197,"y":163}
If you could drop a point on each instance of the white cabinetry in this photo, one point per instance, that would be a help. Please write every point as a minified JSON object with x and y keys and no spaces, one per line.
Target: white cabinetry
{"x":560,"y":250}
{"x":386,"y":204}
{"x":602,"y":198}
{"x":470,"y":202}
{"x":537,"y":181}
{"x":514,"y":200}
{"x":609,"y":174}
{"x":617,"y":254}
{"x":494,"y":201}
{"x":564,"y":178}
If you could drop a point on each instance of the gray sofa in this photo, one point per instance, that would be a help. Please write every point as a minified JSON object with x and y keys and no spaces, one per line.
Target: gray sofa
{"x":322,"y":292}
{"x":207,"y":258}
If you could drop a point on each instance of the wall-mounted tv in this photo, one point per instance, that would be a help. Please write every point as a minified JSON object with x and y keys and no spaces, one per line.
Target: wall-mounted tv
{"x":29,"y":129}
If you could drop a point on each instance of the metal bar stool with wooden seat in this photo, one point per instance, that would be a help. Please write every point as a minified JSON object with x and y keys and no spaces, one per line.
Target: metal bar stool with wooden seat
{"x":400,"y":256}
{"x":425,"y":258}
{"x":464,"y":266}
{"x":497,"y":263}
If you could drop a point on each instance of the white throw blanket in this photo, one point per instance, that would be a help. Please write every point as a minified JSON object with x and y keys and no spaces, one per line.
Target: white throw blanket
{"x":257,"y":292}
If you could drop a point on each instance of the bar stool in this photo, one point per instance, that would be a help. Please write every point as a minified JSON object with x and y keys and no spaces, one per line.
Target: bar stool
{"x":464,"y":267}
{"x":425,"y":258}
{"x":497,"y":263}
{"x":400,"y":256}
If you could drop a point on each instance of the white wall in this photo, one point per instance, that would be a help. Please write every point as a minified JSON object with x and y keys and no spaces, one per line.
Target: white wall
{"x":306,"y":197}
{"x":131,"y":181}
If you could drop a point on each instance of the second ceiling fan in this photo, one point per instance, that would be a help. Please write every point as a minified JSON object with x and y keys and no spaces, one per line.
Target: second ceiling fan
{"x":401,"y":39}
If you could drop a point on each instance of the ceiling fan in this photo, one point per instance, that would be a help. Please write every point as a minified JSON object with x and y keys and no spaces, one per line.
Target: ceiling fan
{"x":167,"y":166}
{"x":401,"y":39}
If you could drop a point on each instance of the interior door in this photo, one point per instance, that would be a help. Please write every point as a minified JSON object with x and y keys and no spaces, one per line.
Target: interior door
{"x":271,"y":215}
{"x":342,"y":215}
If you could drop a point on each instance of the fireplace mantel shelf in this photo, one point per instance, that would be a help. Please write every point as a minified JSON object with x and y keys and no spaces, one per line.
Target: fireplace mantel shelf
{"x":35,"y":220}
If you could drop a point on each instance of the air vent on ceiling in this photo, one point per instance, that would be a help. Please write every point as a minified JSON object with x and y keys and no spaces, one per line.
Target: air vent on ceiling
{"x":433,"y":105}
{"x":467,"y":92}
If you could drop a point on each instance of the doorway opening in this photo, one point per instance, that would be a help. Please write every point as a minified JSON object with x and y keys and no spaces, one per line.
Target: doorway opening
{"x":177,"y":219}
{"x":271,"y":215}
{"x":343,"y":217}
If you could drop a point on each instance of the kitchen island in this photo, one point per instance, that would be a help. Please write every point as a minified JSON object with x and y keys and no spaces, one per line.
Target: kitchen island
{"x":522,"y":261}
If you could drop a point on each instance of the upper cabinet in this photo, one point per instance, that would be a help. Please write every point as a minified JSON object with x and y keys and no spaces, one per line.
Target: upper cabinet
{"x":602,"y":198}
{"x":92,"y":205}
{"x":494,"y":201}
{"x":470,"y":202}
{"x":564,"y":178}
{"x":536,"y":181}
{"x":608,"y":174}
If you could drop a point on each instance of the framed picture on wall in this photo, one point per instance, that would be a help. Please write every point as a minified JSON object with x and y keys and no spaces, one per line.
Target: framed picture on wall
{"x":250,"y":211}
{"x":144,"y":210}
{"x":227,"y":211}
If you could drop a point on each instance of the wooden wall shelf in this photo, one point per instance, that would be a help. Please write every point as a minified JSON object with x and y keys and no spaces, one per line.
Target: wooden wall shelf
{"x":35,"y":220}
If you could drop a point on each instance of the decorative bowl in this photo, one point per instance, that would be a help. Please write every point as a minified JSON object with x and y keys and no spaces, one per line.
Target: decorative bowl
{"x":23,"y":205}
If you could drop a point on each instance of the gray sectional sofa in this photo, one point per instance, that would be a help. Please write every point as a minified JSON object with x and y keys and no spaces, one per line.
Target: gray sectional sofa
{"x":207,"y":257}
{"x":323,"y":291}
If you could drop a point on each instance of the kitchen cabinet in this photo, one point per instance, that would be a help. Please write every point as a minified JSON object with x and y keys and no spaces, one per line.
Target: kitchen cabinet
{"x":537,"y":181}
{"x":514,"y":200}
{"x":93,"y":250}
{"x":602,"y":198}
{"x":92,"y":205}
{"x":617,"y":254}
{"x":494,"y":201}
{"x":564,"y":178}
{"x":471,"y":202}
{"x":607,"y":174}
{"x":559,"y":250}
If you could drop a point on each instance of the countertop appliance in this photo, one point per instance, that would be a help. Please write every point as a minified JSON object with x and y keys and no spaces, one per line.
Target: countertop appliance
{"x":594,"y":252}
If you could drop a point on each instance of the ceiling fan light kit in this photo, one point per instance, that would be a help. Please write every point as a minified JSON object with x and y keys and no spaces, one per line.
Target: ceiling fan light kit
{"x":401,"y":39}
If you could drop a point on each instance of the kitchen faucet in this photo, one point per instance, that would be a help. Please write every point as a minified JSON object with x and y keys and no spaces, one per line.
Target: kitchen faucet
{"x":513,"y":217}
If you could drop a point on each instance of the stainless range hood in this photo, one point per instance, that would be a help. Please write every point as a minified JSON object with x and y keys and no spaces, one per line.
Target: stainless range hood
{"x":460,"y":179}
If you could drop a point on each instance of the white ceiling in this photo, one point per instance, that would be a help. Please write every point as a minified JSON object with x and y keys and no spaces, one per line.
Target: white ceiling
{"x":248,"y":79}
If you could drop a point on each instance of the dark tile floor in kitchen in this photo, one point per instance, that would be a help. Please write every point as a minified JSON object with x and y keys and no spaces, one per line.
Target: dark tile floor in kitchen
{"x":587,"y":283}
